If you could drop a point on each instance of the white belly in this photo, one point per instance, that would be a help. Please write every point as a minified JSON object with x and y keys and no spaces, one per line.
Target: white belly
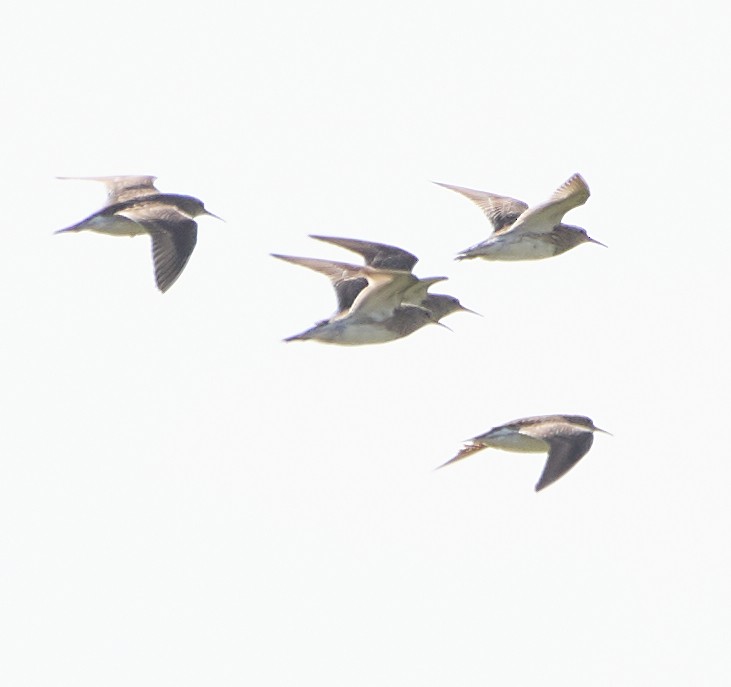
{"x":523,"y":248}
{"x":509,"y":440}
{"x":356,"y":334}
{"x":114,"y":225}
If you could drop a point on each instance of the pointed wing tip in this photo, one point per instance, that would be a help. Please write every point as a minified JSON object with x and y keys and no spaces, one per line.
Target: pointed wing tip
{"x":164,"y":286}
{"x":580,"y":179}
{"x":292,"y":259}
{"x":576,"y":184}
{"x":451,"y":187}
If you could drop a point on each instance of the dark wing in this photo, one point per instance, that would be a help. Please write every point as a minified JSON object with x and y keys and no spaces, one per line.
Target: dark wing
{"x":564,"y":453}
{"x":379,"y":255}
{"x":174,"y":236}
{"x":500,"y":210}
{"x":123,"y":188}
{"x":347,"y":279}
{"x":347,"y":291}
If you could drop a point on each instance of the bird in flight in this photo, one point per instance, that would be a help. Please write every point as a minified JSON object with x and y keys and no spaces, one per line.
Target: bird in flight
{"x":376,"y":302}
{"x":567,"y":438}
{"x":521,"y":232}
{"x":135,"y":206}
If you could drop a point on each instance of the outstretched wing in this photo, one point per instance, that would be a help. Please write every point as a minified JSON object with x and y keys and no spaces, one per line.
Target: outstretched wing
{"x":564,"y":453}
{"x":379,"y":255}
{"x":348,"y":280}
{"x":544,"y":217}
{"x":500,"y":210}
{"x":123,"y":188}
{"x":174,"y":236}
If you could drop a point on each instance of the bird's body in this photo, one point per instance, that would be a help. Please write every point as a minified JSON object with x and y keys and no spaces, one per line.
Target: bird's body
{"x":566,"y":438}
{"x":523,"y":246}
{"x":528,"y":233}
{"x":104,"y":223}
{"x":134,"y":207}
{"x":381,"y":311}
{"x":354,"y":331}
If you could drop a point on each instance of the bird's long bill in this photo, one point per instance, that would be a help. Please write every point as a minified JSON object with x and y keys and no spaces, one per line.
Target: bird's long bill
{"x":473,"y":312}
{"x":603,"y":431}
{"x":597,"y":242}
{"x":216,"y":216}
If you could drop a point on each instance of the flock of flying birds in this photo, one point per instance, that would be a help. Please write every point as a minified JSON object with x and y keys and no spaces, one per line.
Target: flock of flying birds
{"x":381,"y":300}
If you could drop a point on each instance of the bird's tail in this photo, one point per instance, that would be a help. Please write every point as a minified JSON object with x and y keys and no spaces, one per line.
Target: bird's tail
{"x":302,"y":336}
{"x":466,"y":451}
{"x":73,"y":227}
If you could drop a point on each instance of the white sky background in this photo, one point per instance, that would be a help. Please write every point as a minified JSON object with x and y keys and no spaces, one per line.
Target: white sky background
{"x":185,"y":500}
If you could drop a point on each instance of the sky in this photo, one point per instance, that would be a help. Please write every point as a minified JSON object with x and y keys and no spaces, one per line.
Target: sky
{"x":186,"y":500}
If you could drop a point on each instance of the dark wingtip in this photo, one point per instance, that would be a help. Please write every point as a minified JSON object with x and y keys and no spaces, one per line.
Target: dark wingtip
{"x":163,"y":286}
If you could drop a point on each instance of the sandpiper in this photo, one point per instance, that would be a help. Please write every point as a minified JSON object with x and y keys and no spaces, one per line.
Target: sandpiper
{"x":134,"y":206}
{"x":378,"y":255}
{"x":528,"y":233}
{"x":567,"y":438}
{"x":382,"y":311}
{"x":381,"y":256}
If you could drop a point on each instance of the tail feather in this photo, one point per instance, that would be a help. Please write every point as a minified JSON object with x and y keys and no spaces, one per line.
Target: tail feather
{"x":73,"y":227}
{"x":466,"y":451}
{"x":302,"y":336}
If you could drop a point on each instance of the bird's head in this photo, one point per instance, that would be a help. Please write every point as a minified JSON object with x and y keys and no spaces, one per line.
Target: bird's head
{"x":580,"y":236}
{"x":441,"y":305}
{"x":194,"y":207}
